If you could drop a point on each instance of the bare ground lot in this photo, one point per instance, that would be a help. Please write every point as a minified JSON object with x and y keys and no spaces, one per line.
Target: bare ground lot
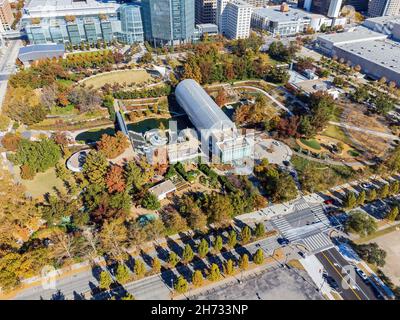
{"x":391,"y":244}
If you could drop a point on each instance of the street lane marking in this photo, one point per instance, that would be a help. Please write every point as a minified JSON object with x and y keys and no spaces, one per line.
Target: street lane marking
{"x":340,"y":274}
{"x":355,"y":282}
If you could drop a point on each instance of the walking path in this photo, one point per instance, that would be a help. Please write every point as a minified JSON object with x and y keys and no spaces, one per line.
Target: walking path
{"x":373,"y":132}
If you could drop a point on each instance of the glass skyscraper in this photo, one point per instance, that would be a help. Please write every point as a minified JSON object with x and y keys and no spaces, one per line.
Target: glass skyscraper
{"x":131,"y":24}
{"x":168,"y":21}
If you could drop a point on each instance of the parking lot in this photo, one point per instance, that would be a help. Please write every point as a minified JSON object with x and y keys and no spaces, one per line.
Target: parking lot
{"x":277,"y":284}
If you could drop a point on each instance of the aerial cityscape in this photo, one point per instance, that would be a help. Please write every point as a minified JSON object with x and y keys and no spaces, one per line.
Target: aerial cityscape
{"x":200,"y":150}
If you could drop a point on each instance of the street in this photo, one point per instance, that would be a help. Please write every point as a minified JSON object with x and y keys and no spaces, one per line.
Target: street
{"x":336,"y":266}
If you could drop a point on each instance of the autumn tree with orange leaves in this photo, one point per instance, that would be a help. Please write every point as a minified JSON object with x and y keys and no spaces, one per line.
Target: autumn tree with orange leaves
{"x":112,"y":146}
{"x":115,"y":179}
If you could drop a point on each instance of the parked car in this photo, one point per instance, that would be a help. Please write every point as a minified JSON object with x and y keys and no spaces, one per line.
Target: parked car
{"x":283,"y":241}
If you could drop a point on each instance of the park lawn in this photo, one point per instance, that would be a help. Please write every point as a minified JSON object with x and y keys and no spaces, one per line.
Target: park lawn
{"x":67,"y":83}
{"x":311,"y":143}
{"x":127,"y":76}
{"x":336,"y":132}
{"x":44,"y":182}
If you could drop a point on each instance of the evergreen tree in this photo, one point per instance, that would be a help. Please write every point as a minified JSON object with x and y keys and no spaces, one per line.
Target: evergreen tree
{"x":244,"y":262}
{"x":197,"y":278}
{"x":260,"y":230}
{"x":105,"y":280}
{"x":181,"y":285}
{"x":245,"y":234}
{"x":258,"y":257}
{"x":122,"y":275}
{"x":203,"y":248}
{"x":188,"y":254}
{"x":232,"y":239}
{"x":218,"y":243}
{"x":173,"y":259}
{"x":214,"y":273}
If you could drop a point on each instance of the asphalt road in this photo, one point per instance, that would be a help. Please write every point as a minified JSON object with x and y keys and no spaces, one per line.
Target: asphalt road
{"x":357,"y":289}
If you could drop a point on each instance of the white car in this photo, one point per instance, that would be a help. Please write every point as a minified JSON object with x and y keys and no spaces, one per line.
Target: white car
{"x":361,"y":274}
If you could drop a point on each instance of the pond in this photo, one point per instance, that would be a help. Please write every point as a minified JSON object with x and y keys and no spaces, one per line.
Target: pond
{"x":94,"y":135}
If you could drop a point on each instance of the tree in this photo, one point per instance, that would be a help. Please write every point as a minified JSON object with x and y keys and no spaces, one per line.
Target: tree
{"x":361,"y":223}
{"x":156,"y":265}
{"x":95,"y":168}
{"x":394,"y":187}
{"x":286,"y":189}
{"x":384,"y":191}
{"x":203,"y":248}
{"x":245,"y":235}
{"x":221,"y":98}
{"x":371,"y":253}
{"x":232,"y":239}
{"x":197,"y":278}
{"x":138,"y":174}
{"x":214,"y":273}
{"x":220,"y":209}
{"x":244,"y":262}
{"x":229,"y":268}
{"x":113,"y":146}
{"x":173,"y":259}
{"x":393,"y":213}
{"x":150,"y":201}
{"x":38,"y":155}
{"x":188,"y":254}
{"x":122,"y":275}
{"x":128,"y":296}
{"x":85,"y":99}
{"x":392,"y":162}
{"x":196,"y":219}
{"x":260,"y":230}
{"x":372,"y":195}
{"x":361,"y":198}
{"x":22,"y":104}
{"x":181,"y":285}
{"x":11,"y":141}
{"x":105,"y":280}
{"x":258,"y":257}
{"x":112,"y":236}
{"x":115,"y":180}
{"x":350,"y":200}
{"x":139,"y":268}
{"x":218,"y":244}
{"x":360,"y":94}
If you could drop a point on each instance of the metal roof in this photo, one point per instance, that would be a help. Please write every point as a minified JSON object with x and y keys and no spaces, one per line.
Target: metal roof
{"x":203,"y":112}
{"x":40,"y":51}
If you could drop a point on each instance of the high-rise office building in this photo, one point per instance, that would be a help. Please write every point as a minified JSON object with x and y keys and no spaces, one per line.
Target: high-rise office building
{"x":330,"y":8}
{"x":379,"y":8}
{"x":6,"y":15}
{"x":237,"y":18}
{"x":168,"y":21}
{"x":205,"y":11}
{"x":131,"y":24}
{"x":258,"y":3}
{"x":221,"y":14}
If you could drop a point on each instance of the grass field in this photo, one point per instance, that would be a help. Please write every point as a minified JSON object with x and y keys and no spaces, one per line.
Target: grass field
{"x":43,"y":183}
{"x":336,"y":133}
{"x":127,"y":76}
{"x":311,"y":143}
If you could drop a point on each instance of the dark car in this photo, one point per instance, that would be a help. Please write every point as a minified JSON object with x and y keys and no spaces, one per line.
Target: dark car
{"x":331,"y":281}
{"x":283,"y":241}
{"x":286,"y":163}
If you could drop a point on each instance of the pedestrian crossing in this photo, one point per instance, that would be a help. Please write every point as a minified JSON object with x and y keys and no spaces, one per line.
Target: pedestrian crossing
{"x":282,"y":225}
{"x":317,"y":242}
{"x":301,"y":205}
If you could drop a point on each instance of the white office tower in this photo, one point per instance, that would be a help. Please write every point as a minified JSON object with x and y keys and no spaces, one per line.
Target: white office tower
{"x":334,"y":8}
{"x":235,"y":19}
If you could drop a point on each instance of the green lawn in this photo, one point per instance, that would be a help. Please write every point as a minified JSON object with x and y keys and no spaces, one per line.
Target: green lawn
{"x":43,"y":183}
{"x":336,"y":132}
{"x":353,"y":153}
{"x":311,"y":143}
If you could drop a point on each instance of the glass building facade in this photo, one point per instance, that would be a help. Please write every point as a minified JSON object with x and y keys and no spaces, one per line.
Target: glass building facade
{"x":122,"y":22}
{"x":168,"y":21}
{"x":131,"y":24}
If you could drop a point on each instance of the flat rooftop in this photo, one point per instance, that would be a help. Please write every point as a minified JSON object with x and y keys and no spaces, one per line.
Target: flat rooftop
{"x":52,"y":8}
{"x":383,"y":20}
{"x":359,"y":34}
{"x":274,"y":13}
{"x":383,"y":52}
